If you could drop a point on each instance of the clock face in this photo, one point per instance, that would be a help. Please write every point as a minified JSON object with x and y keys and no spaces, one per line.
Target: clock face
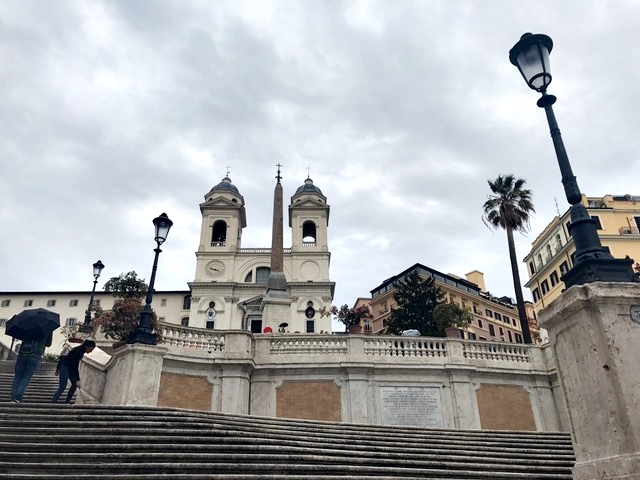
{"x":214,"y":268}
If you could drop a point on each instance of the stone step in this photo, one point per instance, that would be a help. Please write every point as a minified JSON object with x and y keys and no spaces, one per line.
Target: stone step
{"x":54,"y":442}
{"x":291,"y":468}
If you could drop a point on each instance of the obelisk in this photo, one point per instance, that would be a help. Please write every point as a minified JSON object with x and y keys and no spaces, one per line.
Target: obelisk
{"x":276,"y":304}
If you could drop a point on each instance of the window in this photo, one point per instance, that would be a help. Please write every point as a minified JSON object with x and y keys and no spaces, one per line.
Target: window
{"x":497,"y":316}
{"x":518,"y":338}
{"x":186,"y":302}
{"x":163,"y":302}
{"x":501,"y":331}
{"x":480,"y":323}
{"x":536,"y":295}
{"x":184,"y":322}
{"x":71,"y":321}
{"x":549,"y":252}
{"x":96,"y":302}
{"x":492,"y":330}
{"x":532,"y":267}
{"x":219,"y":234}
{"x":311,"y":326}
{"x":471,"y":336}
{"x":488,"y":313}
{"x":540,"y":262}
{"x":73,"y":303}
{"x":256,"y":325}
{"x":545,"y":287}
{"x":568,"y":229}
{"x":558,"y":242}
{"x":554,"y":278}
{"x":564,"y":268}
{"x":367,"y":326}
{"x":513,"y":321}
{"x":510,"y":336}
{"x":262,"y":274}
{"x":505,"y":319}
{"x":309,"y":233}
{"x":209,"y":325}
{"x":5,"y":303}
{"x":28,"y":303}
{"x":596,"y":219}
{"x":51,"y":303}
{"x":3,"y":322}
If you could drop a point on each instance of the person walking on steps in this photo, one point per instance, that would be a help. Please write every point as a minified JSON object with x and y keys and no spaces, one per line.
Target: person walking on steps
{"x":29,"y":358}
{"x":69,"y":365}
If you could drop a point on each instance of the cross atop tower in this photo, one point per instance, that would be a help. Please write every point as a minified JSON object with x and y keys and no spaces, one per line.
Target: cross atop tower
{"x":227,"y":170}
{"x":308,"y":172}
{"x":278,"y":177}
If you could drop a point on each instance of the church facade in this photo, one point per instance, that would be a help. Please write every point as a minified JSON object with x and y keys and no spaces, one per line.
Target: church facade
{"x":228,"y":292}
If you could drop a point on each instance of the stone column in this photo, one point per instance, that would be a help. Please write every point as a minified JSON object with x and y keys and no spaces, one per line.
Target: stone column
{"x":595,"y":333}
{"x":133,"y":376}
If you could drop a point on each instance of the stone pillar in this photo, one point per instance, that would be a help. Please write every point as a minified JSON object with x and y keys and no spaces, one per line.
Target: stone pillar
{"x":595,"y":333}
{"x":359,"y":398}
{"x":133,"y":376}
{"x":235,"y":384}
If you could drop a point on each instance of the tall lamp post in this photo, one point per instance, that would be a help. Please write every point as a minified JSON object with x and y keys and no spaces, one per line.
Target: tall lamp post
{"x":144,"y":332}
{"x":97,"y":270}
{"x":592,"y":262}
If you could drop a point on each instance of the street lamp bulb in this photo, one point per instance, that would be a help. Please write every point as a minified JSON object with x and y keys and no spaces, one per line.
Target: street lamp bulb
{"x":163,"y":225}
{"x":531,"y":56}
{"x":97,"y":269}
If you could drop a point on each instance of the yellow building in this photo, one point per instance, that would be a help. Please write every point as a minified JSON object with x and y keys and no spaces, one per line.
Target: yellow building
{"x":494,"y":318}
{"x":617,"y":219}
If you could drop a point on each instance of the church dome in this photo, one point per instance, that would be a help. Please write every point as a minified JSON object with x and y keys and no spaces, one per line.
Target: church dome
{"x":308,"y":187}
{"x":225,"y":185}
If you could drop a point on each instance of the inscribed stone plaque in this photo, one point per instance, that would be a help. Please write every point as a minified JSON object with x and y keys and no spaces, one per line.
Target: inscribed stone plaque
{"x":411,"y":406}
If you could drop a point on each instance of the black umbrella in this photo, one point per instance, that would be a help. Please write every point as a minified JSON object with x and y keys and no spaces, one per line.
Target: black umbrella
{"x":283,"y":325}
{"x":32,"y":324}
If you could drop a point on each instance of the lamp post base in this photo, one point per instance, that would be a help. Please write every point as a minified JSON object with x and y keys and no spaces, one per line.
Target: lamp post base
{"x":144,"y":336}
{"x":591,"y":270}
{"x":85,"y":328}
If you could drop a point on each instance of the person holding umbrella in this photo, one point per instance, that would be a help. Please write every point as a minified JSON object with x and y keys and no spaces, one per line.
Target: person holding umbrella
{"x":35,"y":329}
{"x":29,"y":358}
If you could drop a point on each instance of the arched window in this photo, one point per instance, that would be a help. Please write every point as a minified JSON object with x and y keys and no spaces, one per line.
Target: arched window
{"x":558,"y":242}
{"x":184,"y":321}
{"x":262,"y":274}
{"x":309,"y":233}
{"x":549,"y":252}
{"x":249,"y":277}
{"x":540,"y":260}
{"x":219,"y":233}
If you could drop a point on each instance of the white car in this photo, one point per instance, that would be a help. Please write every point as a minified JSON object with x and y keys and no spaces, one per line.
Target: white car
{"x":410,"y":333}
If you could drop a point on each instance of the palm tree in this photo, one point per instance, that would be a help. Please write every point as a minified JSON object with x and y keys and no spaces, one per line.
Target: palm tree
{"x":509,"y":207}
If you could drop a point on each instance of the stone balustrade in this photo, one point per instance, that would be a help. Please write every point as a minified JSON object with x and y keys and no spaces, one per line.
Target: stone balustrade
{"x":277,"y":348}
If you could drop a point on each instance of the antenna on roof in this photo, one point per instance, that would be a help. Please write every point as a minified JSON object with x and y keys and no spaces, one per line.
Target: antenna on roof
{"x":557,"y":209}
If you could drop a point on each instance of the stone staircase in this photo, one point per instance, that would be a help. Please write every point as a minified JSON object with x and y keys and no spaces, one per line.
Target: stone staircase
{"x":45,"y":441}
{"x":41,"y":387}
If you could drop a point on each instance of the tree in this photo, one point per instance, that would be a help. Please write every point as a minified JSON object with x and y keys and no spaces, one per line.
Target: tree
{"x":451,"y":315}
{"x":416,"y":299}
{"x":509,"y":207}
{"x":127,"y":286}
{"x":347,"y":316}
{"x":124,"y":317}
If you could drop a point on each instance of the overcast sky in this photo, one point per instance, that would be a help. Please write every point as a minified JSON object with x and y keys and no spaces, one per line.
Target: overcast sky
{"x":116,"y":111}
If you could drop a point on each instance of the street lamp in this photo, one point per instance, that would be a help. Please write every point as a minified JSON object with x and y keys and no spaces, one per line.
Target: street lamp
{"x":144,"y":332}
{"x":97,"y":270}
{"x":592,"y":263}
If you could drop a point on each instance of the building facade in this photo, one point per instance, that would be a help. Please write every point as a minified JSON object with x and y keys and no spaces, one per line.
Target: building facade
{"x":230,"y":282}
{"x":617,"y":220}
{"x":494,"y":318}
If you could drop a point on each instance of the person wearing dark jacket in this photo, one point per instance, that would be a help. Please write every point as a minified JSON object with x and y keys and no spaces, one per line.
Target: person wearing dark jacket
{"x":29,"y":358}
{"x":69,"y":365}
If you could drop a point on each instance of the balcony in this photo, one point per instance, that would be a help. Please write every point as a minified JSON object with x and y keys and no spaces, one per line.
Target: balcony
{"x":629,"y":231}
